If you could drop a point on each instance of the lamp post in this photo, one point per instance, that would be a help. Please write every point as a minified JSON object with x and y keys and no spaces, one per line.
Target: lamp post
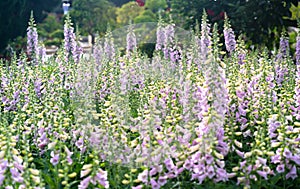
{"x":66,"y":4}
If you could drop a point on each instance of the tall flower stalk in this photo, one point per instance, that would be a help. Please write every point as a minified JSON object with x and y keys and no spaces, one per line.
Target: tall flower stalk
{"x":32,"y":39}
{"x":229,"y":36}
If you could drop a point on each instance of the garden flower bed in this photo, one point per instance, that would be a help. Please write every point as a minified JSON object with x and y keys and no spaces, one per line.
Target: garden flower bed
{"x":192,"y":116}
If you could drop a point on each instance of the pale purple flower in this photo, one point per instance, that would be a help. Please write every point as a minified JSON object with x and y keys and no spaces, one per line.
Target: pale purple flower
{"x":187,"y":164}
{"x":296,"y":159}
{"x":202,"y":177}
{"x":38,"y":87}
{"x":160,"y":37}
{"x":276,"y":159}
{"x":131,"y":40}
{"x":143,"y":176}
{"x":209,"y":159}
{"x":262,"y":160}
{"x":32,"y":40}
{"x":287,"y":153}
{"x":241,"y":59}
{"x":54,"y":158}
{"x":239,"y":153}
{"x":16,"y":176}
{"x":162,"y":180}
{"x":154,"y":184}
{"x":221,"y":175}
{"x":292,"y":174}
{"x":79,"y":143}
{"x":109,"y":47}
{"x":284,"y":45}
{"x":297,"y":53}
{"x":205,"y":39}
{"x":84,"y":183}
{"x":230,"y":42}
{"x":69,"y":155}
{"x":263,"y":174}
{"x":210,"y":172}
{"x":280,"y":168}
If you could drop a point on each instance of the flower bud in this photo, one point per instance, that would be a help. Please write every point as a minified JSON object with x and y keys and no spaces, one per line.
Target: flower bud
{"x":125,"y":182}
{"x":72,"y":175}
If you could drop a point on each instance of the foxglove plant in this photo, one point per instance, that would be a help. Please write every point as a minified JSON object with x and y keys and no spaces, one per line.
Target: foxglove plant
{"x":229,"y":36}
{"x":160,"y":35}
{"x":32,"y":39}
{"x":109,"y":47}
{"x":205,"y":40}
{"x":131,"y":40}
{"x":283,"y":47}
{"x":71,"y":46}
{"x":297,"y":53}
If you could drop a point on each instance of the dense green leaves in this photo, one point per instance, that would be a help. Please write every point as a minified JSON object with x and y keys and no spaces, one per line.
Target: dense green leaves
{"x":261,"y":20}
{"x":14,"y":15}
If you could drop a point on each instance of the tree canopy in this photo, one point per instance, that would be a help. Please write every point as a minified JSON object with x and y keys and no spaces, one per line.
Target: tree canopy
{"x":259,"y":19}
{"x":92,"y":16}
{"x":14,"y":16}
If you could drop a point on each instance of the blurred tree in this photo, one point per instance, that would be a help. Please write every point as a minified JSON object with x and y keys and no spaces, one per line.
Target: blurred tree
{"x":145,"y":16}
{"x":14,"y":16}
{"x":295,"y":12}
{"x":92,"y":16}
{"x":259,"y":19}
{"x":119,"y":3}
{"x":51,"y":30}
{"x":128,"y":11}
{"x":156,"y":5}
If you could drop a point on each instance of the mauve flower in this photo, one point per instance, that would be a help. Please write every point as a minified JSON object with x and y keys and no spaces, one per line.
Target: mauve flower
{"x":16,"y":176}
{"x":280,"y":168}
{"x":202,"y":177}
{"x":109,"y":47}
{"x":209,"y":159}
{"x":263,"y":174}
{"x":241,"y":59}
{"x":131,"y":40}
{"x":187,"y":164}
{"x":169,"y":164}
{"x":297,"y":53}
{"x":154,"y":184}
{"x":205,"y":39}
{"x":199,"y":169}
{"x":221,"y":174}
{"x":262,"y":160}
{"x":18,"y":165}
{"x":292,"y":174}
{"x":287,"y":153}
{"x":239,"y":153}
{"x":243,"y":163}
{"x":32,"y":39}
{"x":230,"y":42}
{"x":178,"y":171}
{"x":79,"y":143}
{"x":69,"y":155}
{"x":296,"y":159}
{"x":84,"y":183}
{"x":276,"y":159}
{"x":210,"y":172}
{"x":143,"y":176}
{"x":54,"y":158}
{"x":284,"y":45}
{"x":160,"y":37}
{"x":162,"y":180}
{"x":155,"y":170}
